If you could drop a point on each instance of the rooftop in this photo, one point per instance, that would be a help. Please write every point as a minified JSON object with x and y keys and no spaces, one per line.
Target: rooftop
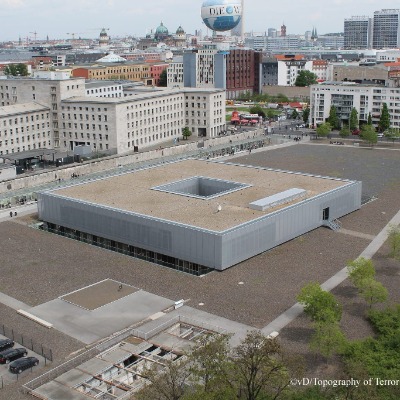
{"x":137,"y":192}
{"x":140,"y":93}
{"x":17,"y":109}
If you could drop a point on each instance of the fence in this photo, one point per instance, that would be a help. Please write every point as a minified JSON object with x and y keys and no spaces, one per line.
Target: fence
{"x":175,"y":320}
{"x":74,"y":362}
{"x":26,"y":187}
{"x":109,"y":343}
{"x":27,"y":342}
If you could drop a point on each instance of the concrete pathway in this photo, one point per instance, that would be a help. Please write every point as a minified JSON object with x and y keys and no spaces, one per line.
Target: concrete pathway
{"x":26,"y":209}
{"x":289,"y":315}
{"x":13,"y":303}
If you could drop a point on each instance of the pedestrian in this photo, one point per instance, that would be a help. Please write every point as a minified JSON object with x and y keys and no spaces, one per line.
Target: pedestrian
{"x":15,"y":214}
{"x":11,"y":214}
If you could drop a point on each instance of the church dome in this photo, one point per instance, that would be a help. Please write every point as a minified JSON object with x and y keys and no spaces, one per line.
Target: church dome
{"x":180,"y":31}
{"x":162,"y":30}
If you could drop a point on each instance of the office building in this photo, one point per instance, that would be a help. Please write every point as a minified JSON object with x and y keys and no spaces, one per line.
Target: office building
{"x":145,"y":118}
{"x":386,"y":29}
{"x":195,"y":216}
{"x":358,"y":33}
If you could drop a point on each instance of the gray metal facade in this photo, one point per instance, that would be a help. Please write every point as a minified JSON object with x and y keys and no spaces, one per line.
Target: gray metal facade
{"x":218,"y":250}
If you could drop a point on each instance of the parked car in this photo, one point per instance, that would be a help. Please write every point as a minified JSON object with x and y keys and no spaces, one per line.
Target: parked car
{"x":16,"y":367}
{"x":9,"y":355}
{"x":380,"y":135}
{"x":355,"y":132}
{"x":6,"y":344}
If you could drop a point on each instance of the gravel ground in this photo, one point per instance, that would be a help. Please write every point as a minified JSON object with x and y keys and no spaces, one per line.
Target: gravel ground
{"x":47,"y":266}
{"x":378,"y":170}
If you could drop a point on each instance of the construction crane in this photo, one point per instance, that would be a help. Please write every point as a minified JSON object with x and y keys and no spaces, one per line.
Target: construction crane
{"x":74,"y":33}
{"x":34,"y":33}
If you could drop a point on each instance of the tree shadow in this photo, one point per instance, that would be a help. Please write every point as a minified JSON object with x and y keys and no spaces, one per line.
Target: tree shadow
{"x":345,"y":291}
{"x":298,"y":334}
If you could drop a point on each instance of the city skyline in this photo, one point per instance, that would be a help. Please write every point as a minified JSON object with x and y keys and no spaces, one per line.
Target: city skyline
{"x":86,"y":17}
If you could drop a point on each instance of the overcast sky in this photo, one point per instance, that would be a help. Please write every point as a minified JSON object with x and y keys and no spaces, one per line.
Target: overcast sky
{"x":132,"y":17}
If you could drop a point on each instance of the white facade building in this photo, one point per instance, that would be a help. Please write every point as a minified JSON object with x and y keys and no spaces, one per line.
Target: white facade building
{"x":175,"y":73}
{"x":24,"y":127}
{"x":366,"y":99}
{"x":104,"y":89}
{"x":289,"y":70}
{"x":47,"y":92}
{"x":120,"y":125}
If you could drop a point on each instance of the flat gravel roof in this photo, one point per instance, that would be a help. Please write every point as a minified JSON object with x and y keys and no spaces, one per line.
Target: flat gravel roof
{"x":132,"y":192}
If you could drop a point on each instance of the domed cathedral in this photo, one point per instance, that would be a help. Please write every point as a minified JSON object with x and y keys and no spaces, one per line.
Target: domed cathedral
{"x":161,"y":33}
{"x":180,"y":37}
{"x":104,"y":40}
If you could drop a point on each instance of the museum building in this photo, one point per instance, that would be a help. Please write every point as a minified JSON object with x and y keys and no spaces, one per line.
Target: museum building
{"x":197,"y":215}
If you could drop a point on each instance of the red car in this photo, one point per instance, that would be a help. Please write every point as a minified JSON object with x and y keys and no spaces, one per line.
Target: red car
{"x":356,"y":132}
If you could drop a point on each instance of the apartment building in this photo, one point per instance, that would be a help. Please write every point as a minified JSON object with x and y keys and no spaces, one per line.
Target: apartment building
{"x":175,"y":73}
{"x":134,"y":71}
{"x":366,"y":99}
{"x":156,"y":70}
{"x":289,"y":67}
{"x":320,"y":68}
{"x":234,"y":70}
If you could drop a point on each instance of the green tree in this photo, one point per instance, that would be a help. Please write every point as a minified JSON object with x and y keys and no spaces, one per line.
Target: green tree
{"x":270,"y":114}
{"x":392,"y":134}
{"x":319,"y":305}
{"x":305,"y":78}
{"x":369,"y":121}
{"x":186,"y":132}
{"x":333,"y":119}
{"x":394,"y":241}
{"x":328,"y":338}
{"x":372,"y":291}
{"x":167,"y":381}
{"x":353,"y":123}
{"x":344,"y":132}
{"x":260,"y":369}
{"x":209,"y":364}
{"x":306,"y":115}
{"x":324,"y":129}
{"x":16,"y":70}
{"x":281,"y":98}
{"x":384,"y":120}
{"x":257,"y":110}
{"x":295,"y":114}
{"x":163,"y":79}
{"x":368,"y":134}
{"x":359,"y":270}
